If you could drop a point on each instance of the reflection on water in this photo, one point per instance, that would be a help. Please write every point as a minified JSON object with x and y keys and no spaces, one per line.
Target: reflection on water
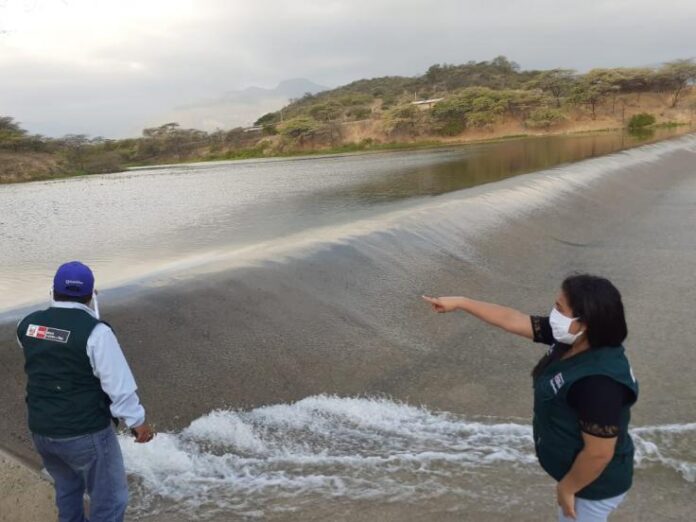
{"x":642,"y":133}
{"x":132,"y":223}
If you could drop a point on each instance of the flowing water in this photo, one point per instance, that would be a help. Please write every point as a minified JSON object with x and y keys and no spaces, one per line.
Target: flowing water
{"x":272,"y":461}
{"x":270,"y":311}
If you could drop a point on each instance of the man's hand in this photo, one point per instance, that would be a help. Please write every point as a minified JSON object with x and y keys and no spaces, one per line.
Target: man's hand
{"x":566,"y":499}
{"x":143,"y":433}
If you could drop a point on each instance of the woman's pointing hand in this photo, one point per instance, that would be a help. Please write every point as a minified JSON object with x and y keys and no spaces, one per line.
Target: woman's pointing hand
{"x":443,"y":304}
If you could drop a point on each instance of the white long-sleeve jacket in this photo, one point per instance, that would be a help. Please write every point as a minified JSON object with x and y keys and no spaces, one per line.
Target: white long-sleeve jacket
{"x":109,"y":365}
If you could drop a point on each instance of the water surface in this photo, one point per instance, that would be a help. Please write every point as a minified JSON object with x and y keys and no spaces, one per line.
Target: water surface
{"x":317,"y":385}
{"x":136,"y":223}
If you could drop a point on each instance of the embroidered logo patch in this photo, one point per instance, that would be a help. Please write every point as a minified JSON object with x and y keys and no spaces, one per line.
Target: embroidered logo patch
{"x":48,"y":334}
{"x":557,"y":382}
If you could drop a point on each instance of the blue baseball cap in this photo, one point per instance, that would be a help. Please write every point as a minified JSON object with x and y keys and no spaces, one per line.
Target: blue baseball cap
{"x":74,"y":279}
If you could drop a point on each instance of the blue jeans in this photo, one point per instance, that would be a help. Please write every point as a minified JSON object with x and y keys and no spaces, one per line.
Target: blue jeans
{"x":89,"y":462}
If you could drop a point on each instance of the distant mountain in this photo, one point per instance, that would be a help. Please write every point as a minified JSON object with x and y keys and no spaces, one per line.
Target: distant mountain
{"x":241,"y":108}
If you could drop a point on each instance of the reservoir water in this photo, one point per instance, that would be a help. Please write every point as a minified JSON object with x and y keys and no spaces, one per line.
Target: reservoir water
{"x":270,"y":311}
{"x":144,"y":222}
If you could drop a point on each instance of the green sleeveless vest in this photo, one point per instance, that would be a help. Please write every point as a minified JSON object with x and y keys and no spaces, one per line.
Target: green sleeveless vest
{"x":64,"y":398}
{"x":557,"y":436}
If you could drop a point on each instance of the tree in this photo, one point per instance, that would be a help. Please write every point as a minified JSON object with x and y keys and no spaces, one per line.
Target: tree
{"x":10,"y":126}
{"x":161,"y":132}
{"x":679,"y":74}
{"x":521,"y":102}
{"x":544,"y":117}
{"x":635,"y":79}
{"x":270,"y":118}
{"x":502,"y":64}
{"x":75,"y":148}
{"x":301,"y":129}
{"x":403,"y":119}
{"x":359,"y":112}
{"x":594,"y":86}
{"x":499,"y":73}
{"x":328,"y":111}
{"x":451,"y":115}
{"x":558,"y":82}
{"x":12,"y":136}
{"x":480,"y":106}
{"x":171,"y":138}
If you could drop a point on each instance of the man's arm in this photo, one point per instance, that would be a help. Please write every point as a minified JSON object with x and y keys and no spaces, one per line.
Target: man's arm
{"x":111,"y":368}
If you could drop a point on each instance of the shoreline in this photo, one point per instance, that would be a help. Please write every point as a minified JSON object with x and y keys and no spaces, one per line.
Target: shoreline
{"x":355,"y":149}
{"x":425,"y":144}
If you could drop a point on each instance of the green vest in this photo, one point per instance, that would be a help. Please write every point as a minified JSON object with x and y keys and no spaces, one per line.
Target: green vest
{"x":557,"y":436}
{"x":64,"y":398}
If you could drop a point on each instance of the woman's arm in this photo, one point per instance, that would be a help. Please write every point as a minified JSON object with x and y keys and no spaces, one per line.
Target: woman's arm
{"x":588,"y":465}
{"x":508,"y":319}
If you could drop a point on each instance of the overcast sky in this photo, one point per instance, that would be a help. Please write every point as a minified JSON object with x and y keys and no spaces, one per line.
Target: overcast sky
{"x":112,"y":67}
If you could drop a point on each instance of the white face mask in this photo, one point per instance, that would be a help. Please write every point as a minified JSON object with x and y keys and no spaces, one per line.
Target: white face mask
{"x":560,"y":326}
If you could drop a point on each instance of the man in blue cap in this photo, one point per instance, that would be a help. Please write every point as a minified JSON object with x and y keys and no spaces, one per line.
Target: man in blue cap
{"x":78,"y":382}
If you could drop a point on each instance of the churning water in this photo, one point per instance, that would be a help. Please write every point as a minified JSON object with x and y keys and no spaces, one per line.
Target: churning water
{"x":276,"y":459}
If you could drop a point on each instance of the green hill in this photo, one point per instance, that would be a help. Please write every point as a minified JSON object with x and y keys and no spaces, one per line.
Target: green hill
{"x":448,"y":103}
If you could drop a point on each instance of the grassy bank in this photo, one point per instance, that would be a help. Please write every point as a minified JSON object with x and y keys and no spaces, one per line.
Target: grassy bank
{"x":347,"y":148}
{"x":51,"y":169}
{"x":373,"y":147}
{"x":447,"y":105}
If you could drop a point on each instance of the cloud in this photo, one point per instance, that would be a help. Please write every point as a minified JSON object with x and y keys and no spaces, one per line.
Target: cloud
{"x":112,"y":67}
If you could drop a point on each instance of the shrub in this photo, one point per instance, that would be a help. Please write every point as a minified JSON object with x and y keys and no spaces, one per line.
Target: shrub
{"x":359,"y":113}
{"x":470,"y":107}
{"x":269,"y":130}
{"x":404,"y":119}
{"x":451,"y":128}
{"x":642,"y":120}
{"x":481,"y":119}
{"x":354,"y":99}
{"x":299,"y":128}
{"x":544,"y":117}
{"x":268,"y":119}
{"x":328,"y":111}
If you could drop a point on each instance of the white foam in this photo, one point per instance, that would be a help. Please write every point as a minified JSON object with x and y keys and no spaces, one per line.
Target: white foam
{"x":669,"y":445}
{"x":352,"y":448}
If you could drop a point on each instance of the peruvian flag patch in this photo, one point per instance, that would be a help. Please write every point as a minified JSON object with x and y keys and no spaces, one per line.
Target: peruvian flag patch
{"x":47,"y":333}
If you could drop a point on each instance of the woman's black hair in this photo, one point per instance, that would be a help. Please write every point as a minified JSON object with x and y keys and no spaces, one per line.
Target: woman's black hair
{"x":597,"y":303}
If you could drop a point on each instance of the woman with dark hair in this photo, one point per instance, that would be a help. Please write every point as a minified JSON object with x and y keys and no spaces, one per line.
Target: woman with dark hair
{"x":583,"y":391}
